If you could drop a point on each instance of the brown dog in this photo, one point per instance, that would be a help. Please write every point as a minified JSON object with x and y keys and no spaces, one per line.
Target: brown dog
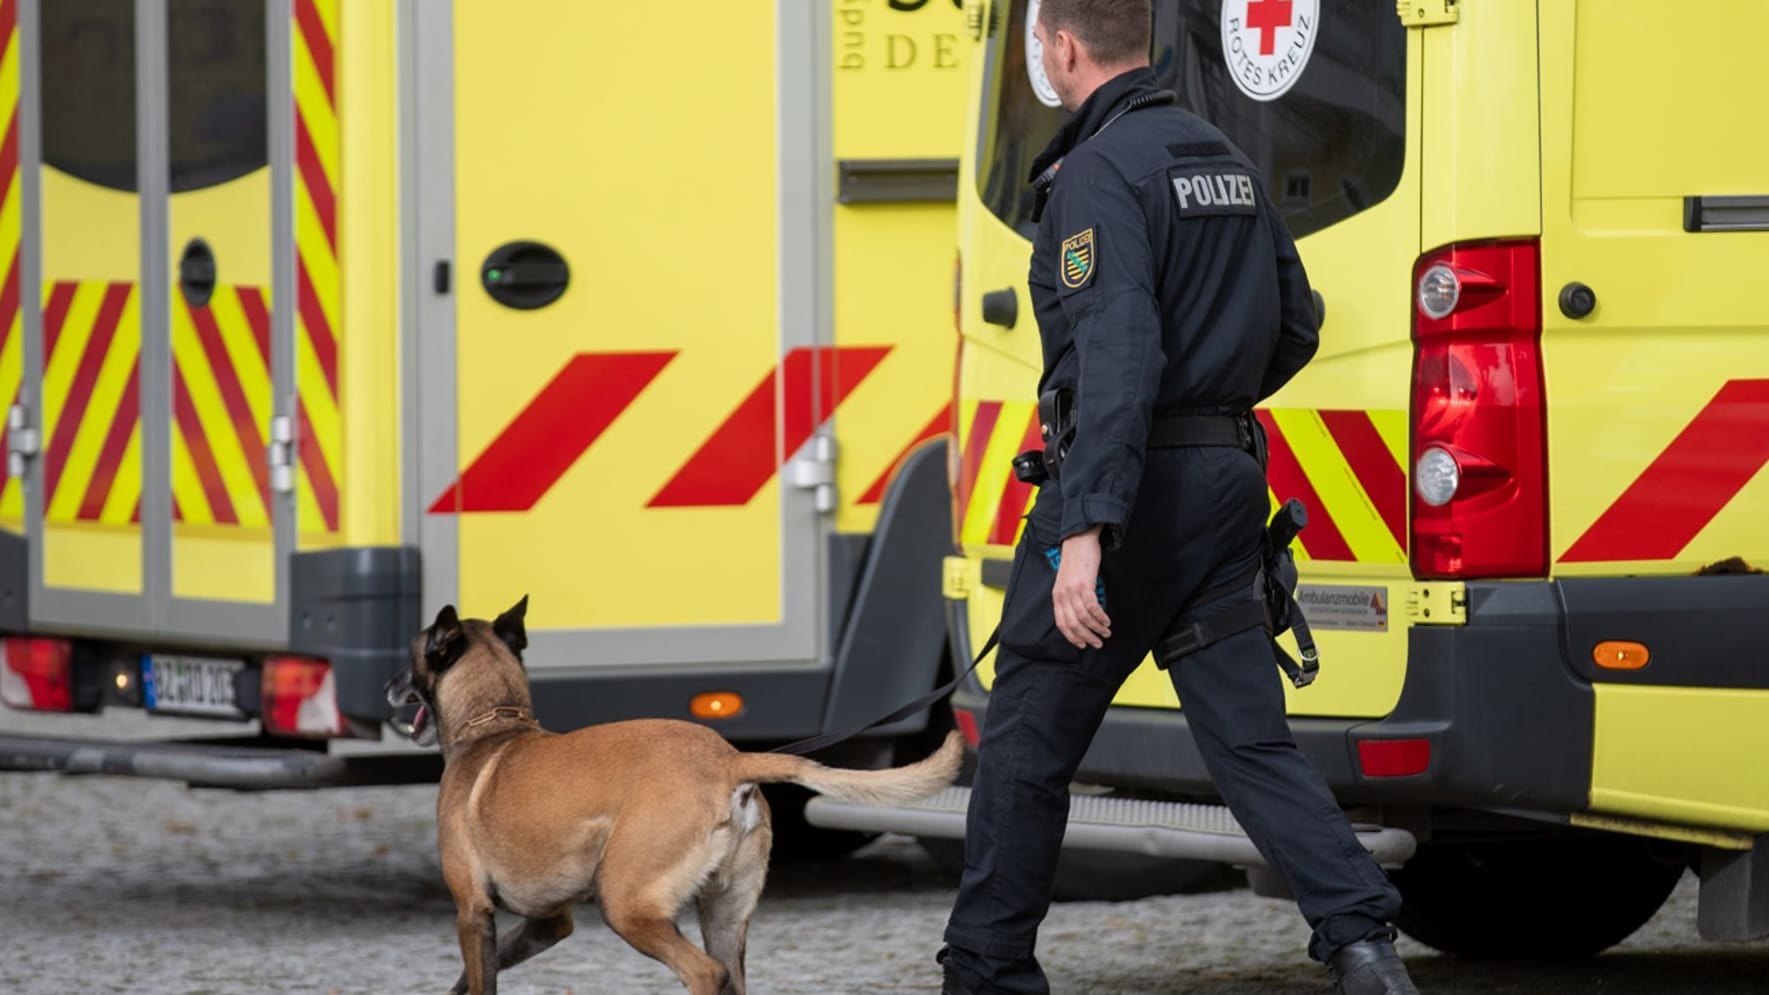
{"x":640,"y":816}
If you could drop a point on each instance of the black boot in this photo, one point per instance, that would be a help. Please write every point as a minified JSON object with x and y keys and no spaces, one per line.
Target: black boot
{"x":951,"y":983}
{"x":1370,"y":967}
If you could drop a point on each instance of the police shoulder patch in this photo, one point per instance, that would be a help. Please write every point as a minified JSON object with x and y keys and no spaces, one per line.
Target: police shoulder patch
{"x":1077,"y":261}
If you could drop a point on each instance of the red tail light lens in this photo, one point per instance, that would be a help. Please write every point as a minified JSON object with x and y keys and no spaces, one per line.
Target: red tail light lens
{"x":1479,"y":421}
{"x":1394,"y":757}
{"x":300,"y":698}
{"x":37,"y":674}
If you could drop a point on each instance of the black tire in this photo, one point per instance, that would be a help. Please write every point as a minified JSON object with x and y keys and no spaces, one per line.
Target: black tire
{"x":1107,"y":875}
{"x":1551,"y":899}
{"x":797,"y":841}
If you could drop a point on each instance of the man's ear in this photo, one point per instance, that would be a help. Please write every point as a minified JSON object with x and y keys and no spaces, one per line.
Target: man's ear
{"x":510,"y":629}
{"x":446,"y":641}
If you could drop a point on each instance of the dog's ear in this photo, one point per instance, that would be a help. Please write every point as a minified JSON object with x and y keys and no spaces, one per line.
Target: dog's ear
{"x":510,"y":629}
{"x":446,"y":640}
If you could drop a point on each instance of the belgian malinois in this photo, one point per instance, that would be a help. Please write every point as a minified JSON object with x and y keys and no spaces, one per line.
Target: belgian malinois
{"x":639,"y":816}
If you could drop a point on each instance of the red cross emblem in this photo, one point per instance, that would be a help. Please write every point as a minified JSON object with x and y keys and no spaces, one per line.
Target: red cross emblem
{"x":1266,"y":17}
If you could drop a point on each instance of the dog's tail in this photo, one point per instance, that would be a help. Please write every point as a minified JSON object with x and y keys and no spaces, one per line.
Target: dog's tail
{"x":891,"y":786}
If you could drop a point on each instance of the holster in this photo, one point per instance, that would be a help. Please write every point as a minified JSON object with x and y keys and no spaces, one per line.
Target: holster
{"x":1056,"y":424}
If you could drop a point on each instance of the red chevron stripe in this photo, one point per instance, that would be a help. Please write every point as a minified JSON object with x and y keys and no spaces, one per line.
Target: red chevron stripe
{"x":8,"y":158}
{"x":55,"y":314}
{"x":1374,"y":467}
{"x":937,"y":426}
{"x":740,"y":457}
{"x":116,"y":443}
{"x":258,"y":316}
{"x":9,"y":301}
{"x":543,"y":441}
{"x":317,"y":470}
{"x":9,"y":23}
{"x":1321,"y":538}
{"x":1697,"y":475}
{"x":970,"y":466}
{"x":1013,"y":499}
{"x":73,"y":408}
{"x":319,"y":45}
{"x":233,"y":397}
{"x":319,"y":330}
{"x":313,"y":176}
{"x":197,"y":444}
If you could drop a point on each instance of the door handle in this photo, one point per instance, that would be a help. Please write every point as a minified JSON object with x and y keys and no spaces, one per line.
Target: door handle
{"x":525,"y":275}
{"x":196,"y":272}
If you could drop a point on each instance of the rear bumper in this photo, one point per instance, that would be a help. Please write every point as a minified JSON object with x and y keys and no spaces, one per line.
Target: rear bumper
{"x":1506,"y":701}
{"x":197,"y":764}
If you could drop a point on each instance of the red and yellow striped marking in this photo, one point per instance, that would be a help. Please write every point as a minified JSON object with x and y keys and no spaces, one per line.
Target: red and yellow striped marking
{"x":91,"y":402}
{"x":221,"y":401}
{"x":320,"y":426}
{"x":739,"y":456}
{"x":12,"y":495}
{"x":1346,"y":466}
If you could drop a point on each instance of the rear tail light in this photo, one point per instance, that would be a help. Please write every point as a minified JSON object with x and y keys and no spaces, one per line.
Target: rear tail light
{"x":37,"y":674}
{"x":967,"y":724}
{"x":1394,"y":757}
{"x":300,"y":698}
{"x":1479,"y":424}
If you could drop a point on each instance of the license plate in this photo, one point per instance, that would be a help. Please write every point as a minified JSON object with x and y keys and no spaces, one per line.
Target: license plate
{"x":191,"y":685}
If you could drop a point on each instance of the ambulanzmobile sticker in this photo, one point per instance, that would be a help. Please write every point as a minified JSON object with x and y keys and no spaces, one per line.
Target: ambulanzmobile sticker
{"x":1266,"y":43}
{"x":1360,"y":609}
{"x":1035,"y":61}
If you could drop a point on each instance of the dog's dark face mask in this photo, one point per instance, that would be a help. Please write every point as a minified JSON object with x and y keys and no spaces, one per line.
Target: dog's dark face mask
{"x":412,"y":691}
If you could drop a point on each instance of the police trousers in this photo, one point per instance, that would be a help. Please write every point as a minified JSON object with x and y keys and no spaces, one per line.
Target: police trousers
{"x":1195,"y":525}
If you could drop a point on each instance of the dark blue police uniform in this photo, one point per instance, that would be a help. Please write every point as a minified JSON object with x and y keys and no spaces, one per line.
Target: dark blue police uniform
{"x":1167,"y":289}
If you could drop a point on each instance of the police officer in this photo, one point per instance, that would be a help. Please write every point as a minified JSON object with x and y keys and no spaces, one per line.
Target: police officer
{"x":1170,"y":300}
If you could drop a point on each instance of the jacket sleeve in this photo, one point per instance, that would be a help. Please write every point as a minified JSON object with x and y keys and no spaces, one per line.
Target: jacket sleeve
{"x":1106,"y":276}
{"x":1298,"y":326}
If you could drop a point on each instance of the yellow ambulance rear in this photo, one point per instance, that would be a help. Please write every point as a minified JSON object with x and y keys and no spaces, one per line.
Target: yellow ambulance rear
{"x":1539,"y":409}
{"x":321,"y":314}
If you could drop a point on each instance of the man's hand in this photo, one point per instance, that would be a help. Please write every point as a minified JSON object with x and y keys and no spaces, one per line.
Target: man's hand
{"x":1078,"y":612}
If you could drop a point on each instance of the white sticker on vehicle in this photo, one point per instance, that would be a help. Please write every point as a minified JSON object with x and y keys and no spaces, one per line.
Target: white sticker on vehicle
{"x":1360,"y":609}
{"x":1035,"y":60}
{"x":1266,"y":43}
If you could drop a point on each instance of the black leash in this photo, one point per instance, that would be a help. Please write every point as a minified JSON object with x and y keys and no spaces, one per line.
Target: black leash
{"x":828,"y":739}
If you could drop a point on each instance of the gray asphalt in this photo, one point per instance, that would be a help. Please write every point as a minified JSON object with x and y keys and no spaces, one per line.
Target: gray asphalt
{"x":121,"y":885}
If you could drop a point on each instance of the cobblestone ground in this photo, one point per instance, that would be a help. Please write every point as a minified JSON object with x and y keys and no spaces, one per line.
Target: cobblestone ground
{"x":121,"y":885}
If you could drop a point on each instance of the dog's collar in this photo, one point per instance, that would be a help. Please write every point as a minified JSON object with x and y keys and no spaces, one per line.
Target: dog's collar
{"x":513,"y":712}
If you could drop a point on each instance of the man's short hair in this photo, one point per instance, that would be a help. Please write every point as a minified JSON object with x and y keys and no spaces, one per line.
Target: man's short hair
{"x":1114,"y":31}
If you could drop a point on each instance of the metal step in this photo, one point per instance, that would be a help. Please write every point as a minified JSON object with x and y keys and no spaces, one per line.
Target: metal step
{"x":1161,"y":829}
{"x":196,"y":763}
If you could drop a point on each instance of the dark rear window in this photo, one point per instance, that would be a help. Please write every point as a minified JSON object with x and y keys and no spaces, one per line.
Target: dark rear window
{"x":1331,"y":145}
{"x":216,"y":76}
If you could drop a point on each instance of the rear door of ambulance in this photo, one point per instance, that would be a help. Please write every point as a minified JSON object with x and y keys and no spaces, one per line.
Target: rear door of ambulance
{"x":1655,"y":136}
{"x":159,"y":345}
{"x":1323,"y":98}
{"x":631,"y":363}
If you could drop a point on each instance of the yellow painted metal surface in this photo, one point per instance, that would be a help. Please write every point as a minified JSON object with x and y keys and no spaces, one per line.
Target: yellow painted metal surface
{"x":368,"y":240}
{"x":1656,"y":398}
{"x":1482,"y":178}
{"x":897,"y":94}
{"x":223,"y":545}
{"x":12,"y":494}
{"x":1684,"y":755}
{"x":666,"y":208}
{"x":91,"y":536}
{"x":321,"y":340}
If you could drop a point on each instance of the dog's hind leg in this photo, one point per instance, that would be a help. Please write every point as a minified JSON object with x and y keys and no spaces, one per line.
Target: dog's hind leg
{"x":653,"y":933}
{"x":533,"y":936}
{"x":478,"y":932}
{"x":726,"y":906}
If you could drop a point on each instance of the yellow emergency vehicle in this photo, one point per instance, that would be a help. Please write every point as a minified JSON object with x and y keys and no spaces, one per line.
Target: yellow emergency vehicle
{"x":1539,"y":409}
{"x":320,"y":314}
